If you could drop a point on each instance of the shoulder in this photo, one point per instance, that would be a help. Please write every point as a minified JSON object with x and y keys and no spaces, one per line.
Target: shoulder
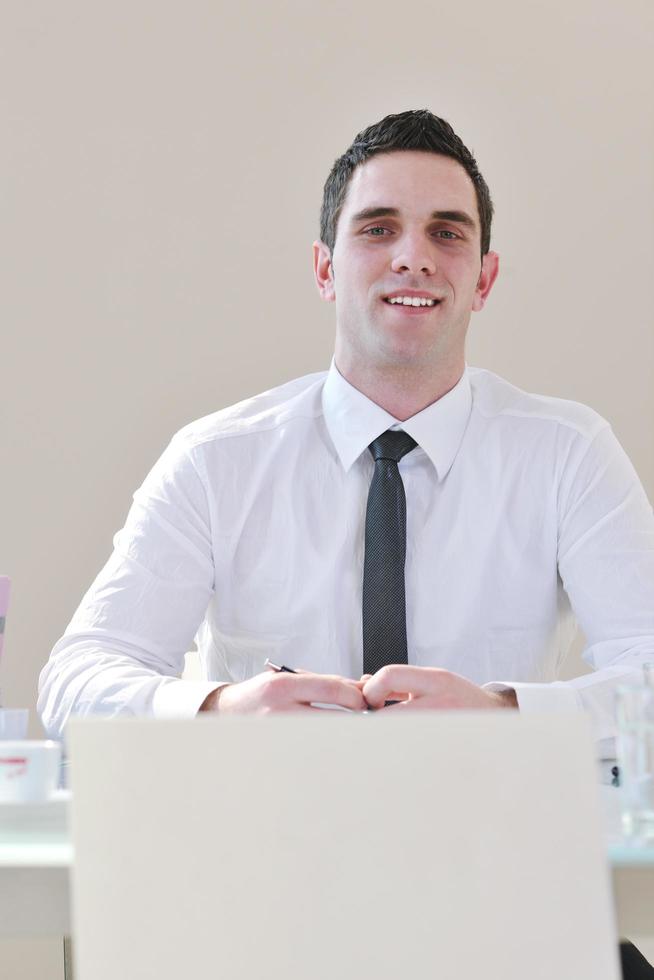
{"x":495,"y":398}
{"x":299,"y":398}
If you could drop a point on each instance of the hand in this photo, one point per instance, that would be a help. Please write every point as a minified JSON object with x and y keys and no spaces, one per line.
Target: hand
{"x":417,"y":688}
{"x":271,"y":692}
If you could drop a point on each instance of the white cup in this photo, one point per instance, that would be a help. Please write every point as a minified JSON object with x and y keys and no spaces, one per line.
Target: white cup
{"x":29,"y":770}
{"x":13,"y":723}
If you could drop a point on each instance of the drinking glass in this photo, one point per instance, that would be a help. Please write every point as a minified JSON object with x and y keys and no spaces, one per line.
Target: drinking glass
{"x":635,"y":750}
{"x":13,"y":723}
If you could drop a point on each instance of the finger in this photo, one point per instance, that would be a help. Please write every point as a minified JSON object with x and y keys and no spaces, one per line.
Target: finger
{"x":397,"y":681}
{"x":391,"y":705}
{"x":339,"y":691}
{"x":323,"y":688}
{"x":330,"y":709}
{"x":394,"y":698}
{"x":313,"y":709}
{"x":292,"y":708}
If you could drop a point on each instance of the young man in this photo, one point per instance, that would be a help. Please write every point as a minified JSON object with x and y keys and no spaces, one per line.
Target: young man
{"x":402,"y":517}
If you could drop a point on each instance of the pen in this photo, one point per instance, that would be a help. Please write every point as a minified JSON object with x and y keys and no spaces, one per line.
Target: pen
{"x":278,"y":668}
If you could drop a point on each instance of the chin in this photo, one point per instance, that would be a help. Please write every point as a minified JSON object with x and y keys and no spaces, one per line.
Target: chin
{"x":401,"y":355}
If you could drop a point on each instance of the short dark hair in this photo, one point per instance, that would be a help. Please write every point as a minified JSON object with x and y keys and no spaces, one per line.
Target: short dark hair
{"x":415,"y":129}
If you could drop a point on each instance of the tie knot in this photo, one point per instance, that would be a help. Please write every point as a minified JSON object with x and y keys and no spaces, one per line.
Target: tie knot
{"x":392,"y":445}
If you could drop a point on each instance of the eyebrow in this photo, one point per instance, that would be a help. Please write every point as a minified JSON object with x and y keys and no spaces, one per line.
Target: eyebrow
{"x":460,"y":217}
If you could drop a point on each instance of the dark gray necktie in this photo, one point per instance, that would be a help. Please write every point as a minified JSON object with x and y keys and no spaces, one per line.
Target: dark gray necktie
{"x":384,"y":609}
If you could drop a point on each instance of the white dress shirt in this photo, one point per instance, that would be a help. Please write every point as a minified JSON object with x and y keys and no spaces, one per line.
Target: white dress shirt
{"x":523,"y":513}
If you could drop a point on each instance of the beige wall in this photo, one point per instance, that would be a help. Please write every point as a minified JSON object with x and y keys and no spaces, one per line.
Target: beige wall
{"x":161,"y":167}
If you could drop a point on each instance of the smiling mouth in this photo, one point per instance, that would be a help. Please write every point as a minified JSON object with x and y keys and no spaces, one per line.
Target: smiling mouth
{"x":417,"y":305}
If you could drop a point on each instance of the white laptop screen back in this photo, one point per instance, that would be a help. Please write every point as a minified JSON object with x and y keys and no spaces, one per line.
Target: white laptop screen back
{"x":448,"y":845}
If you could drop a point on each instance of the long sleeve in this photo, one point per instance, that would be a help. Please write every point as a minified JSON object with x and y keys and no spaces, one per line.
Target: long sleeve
{"x":123,"y":651}
{"x":248,"y":536}
{"x":606,"y":565}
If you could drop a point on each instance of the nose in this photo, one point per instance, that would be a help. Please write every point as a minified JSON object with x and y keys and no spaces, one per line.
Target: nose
{"x":414,"y":255}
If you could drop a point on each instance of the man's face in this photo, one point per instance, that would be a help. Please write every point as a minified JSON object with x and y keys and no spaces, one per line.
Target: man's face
{"x":409,"y":224}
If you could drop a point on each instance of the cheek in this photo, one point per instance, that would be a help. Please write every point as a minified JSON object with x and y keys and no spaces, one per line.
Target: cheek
{"x":355,"y":291}
{"x":358,"y":280}
{"x":463,"y":277}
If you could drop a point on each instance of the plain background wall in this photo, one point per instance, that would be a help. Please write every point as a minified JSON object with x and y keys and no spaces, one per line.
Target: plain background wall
{"x":161,"y":172}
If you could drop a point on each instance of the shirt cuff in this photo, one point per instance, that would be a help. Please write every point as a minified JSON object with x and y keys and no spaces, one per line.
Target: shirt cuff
{"x":175,"y":698}
{"x":557,"y":697}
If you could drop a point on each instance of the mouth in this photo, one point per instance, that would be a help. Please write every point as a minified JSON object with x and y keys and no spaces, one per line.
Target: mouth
{"x":412,"y":305}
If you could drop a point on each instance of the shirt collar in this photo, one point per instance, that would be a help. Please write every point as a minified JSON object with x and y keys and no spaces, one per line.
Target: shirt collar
{"x":353,"y":421}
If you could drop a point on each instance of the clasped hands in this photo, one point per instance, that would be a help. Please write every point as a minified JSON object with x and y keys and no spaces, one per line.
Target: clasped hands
{"x":413,"y":688}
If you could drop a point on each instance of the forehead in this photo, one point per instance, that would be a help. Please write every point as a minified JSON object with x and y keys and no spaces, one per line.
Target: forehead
{"x":414,"y":181}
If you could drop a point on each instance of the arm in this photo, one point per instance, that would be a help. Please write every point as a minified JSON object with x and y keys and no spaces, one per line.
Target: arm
{"x":280,"y":692}
{"x":414,"y":688}
{"x":606,"y":564}
{"x":123,"y":651}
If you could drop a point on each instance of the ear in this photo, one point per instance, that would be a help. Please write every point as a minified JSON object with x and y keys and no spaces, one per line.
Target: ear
{"x":490,"y":266}
{"x":323,"y":271}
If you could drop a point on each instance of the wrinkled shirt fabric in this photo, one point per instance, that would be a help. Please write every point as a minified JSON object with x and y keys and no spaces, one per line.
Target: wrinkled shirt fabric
{"x":525,"y":517}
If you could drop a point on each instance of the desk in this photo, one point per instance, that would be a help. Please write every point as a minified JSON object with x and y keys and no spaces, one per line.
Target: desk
{"x":632,"y":871}
{"x":35,"y":900}
{"x":36,"y":855}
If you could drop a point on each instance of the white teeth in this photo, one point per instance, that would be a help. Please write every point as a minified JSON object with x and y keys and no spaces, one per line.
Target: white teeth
{"x":411,"y":301}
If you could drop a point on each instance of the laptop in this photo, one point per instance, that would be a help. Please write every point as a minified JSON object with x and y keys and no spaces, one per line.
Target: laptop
{"x":436,"y":845}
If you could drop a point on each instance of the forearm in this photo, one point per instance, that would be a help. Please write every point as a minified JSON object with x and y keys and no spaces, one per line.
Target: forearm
{"x":593,"y":693}
{"x":606,"y":566}
{"x":110,"y":679}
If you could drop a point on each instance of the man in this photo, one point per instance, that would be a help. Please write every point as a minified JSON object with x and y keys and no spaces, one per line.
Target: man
{"x":404,"y":532}
{"x":250,"y":531}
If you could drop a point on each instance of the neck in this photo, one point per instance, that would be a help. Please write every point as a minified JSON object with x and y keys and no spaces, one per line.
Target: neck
{"x":402,"y":391}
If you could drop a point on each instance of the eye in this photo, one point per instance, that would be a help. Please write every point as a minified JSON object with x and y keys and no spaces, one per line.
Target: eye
{"x":451,"y":234}
{"x":375,"y":228}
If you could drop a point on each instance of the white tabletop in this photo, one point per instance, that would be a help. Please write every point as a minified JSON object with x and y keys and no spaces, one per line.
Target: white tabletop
{"x":36,"y":855}
{"x":37,"y":834}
